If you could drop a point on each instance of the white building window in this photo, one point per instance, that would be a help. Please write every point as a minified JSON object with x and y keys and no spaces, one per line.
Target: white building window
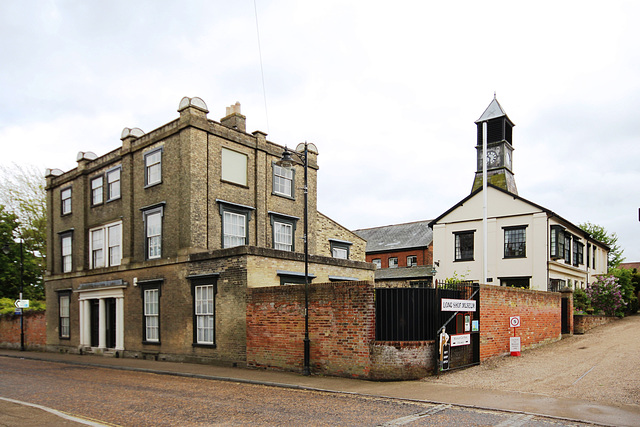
{"x":151,"y":315}
{"x":65,"y":329}
{"x":282,"y":236}
{"x":66,"y":250}
{"x":96,"y":191}
{"x":393,"y":262}
{"x":65,"y":201}
{"x":234,"y":167}
{"x":113,"y":184}
{"x":153,"y":167}
{"x":282,"y":181}
{"x":412,"y":261}
{"x":377,"y":262}
{"x":153,"y":233}
{"x":105,"y":245}
{"x":340,"y":248}
{"x":204,"y":305}
{"x":235,"y":230}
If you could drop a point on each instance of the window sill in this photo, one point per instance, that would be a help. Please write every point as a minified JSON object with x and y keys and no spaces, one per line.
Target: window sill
{"x":464,"y":260}
{"x":284,"y":196}
{"x":151,"y":342}
{"x":235,"y":184}
{"x":153,"y":184}
{"x":203,"y":345}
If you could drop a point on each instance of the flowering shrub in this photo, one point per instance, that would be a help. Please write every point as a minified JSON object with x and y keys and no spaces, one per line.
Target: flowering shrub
{"x":606,"y":295}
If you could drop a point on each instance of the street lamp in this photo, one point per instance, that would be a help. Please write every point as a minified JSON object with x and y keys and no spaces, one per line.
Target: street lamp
{"x":287,"y":162}
{"x":6,"y":251}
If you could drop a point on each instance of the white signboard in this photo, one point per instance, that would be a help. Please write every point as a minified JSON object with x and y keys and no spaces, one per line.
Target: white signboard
{"x":21,"y":303}
{"x":458,"y":340}
{"x":514,"y":344}
{"x":457,"y":305}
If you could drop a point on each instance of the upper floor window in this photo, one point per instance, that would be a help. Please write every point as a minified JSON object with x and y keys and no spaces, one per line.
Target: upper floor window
{"x":412,"y":261}
{"x":96,"y":190}
{"x":515,"y":239}
{"x":377,"y":262}
{"x":340,"y":248}
{"x":235,"y":224}
{"x":153,"y":167}
{"x":593,"y":257}
{"x":283,"y":181}
{"x":567,"y":248}
{"x":234,"y":167}
{"x":153,"y":232}
{"x":65,"y":201}
{"x":105,"y":245}
{"x":556,"y":242}
{"x":284,"y":227}
{"x":393,"y":262}
{"x":113,"y":184}
{"x":66,"y":252}
{"x":578,"y":253}
{"x":464,"y":245}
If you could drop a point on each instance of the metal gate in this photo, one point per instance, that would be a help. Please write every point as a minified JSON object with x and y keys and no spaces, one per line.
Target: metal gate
{"x":458,"y":337}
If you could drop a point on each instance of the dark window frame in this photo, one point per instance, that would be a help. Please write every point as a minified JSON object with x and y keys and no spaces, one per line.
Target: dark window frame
{"x":340,"y":244}
{"x":197,"y":281}
{"x":109,"y":197}
{"x":65,"y":293}
{"x":146,"y":213}
{"x":238,"y":210}
{"x":147,"y":167}
{"x":397,"y":264}
{"x":515,"y":232}
{"x":516,"y":282}
{"x":150,"y":285}
{"x":291,"y":196}
{"x":63,"y":236}
{"x":283,"y":219}
{"x":293,"y":278}
{"x":556,"y":242}
{"x":64,"y":199}
{"x":92,"y":190}
{"x":462,"y":249}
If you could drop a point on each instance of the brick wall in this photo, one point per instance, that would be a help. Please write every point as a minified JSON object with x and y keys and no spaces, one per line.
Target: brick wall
{"x":582,"y":324}
{"x":424,"y":256}
{"x":341,"y":328}
{"x":405,"y":360}
{"x":540,"y":317}
{"x":35,"y":330}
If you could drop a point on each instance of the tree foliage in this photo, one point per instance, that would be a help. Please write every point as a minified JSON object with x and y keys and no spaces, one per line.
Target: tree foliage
{"x":606,"y":296}
{"x":599,"y":233}
{"x":23,"y":219}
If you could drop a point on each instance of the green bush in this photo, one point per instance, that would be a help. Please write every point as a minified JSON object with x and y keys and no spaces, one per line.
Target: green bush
{"x":581,"y":301}
{"x":7,"y":306}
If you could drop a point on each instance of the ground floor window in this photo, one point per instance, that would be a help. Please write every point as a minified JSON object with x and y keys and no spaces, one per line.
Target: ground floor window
{"x":64,"y":302}
{"x":516,"y":282}
{"x":152,"y":315}
{"x":204,"y":288}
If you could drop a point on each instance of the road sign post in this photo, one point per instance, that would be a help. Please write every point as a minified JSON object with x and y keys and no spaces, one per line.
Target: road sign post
{"x":514,"y":342}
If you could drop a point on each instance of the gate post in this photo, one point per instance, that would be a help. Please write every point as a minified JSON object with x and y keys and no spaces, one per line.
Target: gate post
{"x":566,"y":311}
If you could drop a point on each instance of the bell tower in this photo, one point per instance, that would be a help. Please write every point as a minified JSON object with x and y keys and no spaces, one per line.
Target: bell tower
{"x":499,"y":149}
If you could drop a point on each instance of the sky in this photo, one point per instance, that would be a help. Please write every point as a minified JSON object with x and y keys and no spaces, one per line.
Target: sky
{"x":387,"y":91}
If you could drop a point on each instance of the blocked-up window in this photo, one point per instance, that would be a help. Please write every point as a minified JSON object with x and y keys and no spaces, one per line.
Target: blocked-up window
{"x":234,"y":167}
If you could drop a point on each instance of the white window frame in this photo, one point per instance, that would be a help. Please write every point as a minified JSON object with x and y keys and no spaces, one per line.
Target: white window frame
{"x":113,"y":184}
{"x":234,"y":229}
{"x":377,"y":262}
{"x":152,"y":315}
{"x":66,"y":251}
{"x":204,"y":310}
{"x":64,"y":302}
{"x":65,"y":201}
{"x":340,"y":248}
{"x":414,"y":260}
{"x":153,"y":167}
{"x":283,"y":182}
{"x":234,"y":166}
{"x":100,"y":255}
{"x":97,"y":190}
{"x":282,"y":236}
{"x":395,"y":262}
{"x":153,"y":236}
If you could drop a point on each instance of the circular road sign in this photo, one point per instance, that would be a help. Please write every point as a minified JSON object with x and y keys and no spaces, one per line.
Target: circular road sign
{"x":514,"y":321}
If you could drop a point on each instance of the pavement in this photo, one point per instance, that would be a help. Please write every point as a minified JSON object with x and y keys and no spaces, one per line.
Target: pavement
{"x":568,"y":410}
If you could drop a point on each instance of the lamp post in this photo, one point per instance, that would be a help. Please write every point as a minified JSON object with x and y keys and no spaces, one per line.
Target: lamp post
{"x":288,"y":162}
{"x":6,"y":250}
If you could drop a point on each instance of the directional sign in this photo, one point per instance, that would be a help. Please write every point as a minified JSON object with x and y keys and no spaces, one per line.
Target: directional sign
{"x":21,"y":303}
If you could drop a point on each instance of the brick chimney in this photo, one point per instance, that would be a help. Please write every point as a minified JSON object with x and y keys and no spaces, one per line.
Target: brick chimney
{"x":234,"y":119}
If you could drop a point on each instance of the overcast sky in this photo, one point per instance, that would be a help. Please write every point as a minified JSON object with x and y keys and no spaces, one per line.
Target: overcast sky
{"x":388,"y":92}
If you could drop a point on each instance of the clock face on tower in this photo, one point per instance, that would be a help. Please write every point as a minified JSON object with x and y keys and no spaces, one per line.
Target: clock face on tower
{"x":492,"y":158}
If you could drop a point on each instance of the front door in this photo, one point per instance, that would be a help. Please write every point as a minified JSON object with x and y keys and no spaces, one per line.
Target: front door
{"x":95,"y":322}
{"x":110,"y":318}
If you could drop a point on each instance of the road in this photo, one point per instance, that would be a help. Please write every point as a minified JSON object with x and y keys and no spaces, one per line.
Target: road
{"x":116,"y":397}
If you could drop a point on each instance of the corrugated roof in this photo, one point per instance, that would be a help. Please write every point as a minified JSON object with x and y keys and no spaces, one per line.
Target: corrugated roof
{"x":395,"y":237}
{"x":417,"y":272}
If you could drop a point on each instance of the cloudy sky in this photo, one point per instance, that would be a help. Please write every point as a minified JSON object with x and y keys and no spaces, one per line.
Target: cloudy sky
{"x":388,"y":91}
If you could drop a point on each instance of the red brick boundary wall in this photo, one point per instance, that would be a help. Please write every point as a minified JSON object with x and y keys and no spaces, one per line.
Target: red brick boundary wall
{"x":341,"y":328}
{"x":540,"y":318}
{"x":35,"y":330}
{"x":582,"y":323}
{"x":402,"y":360}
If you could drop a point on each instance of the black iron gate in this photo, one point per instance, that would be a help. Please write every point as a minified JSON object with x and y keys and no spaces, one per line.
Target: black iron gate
{"x":458,"y":337}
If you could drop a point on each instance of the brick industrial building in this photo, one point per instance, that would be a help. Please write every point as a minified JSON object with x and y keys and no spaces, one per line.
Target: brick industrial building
{"x":151,"y":247}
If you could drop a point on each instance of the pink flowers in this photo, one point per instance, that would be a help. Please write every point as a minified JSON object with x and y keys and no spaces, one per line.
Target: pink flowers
{"x":606,"y":295}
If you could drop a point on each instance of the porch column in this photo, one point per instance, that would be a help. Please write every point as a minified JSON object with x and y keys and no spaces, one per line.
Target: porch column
{"x":85,"y":323}
{"x":119,"y":323}
{"x":102,"y":322}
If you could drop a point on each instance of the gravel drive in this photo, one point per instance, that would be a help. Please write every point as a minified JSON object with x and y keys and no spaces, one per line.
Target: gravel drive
{"x":601,"y":366}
